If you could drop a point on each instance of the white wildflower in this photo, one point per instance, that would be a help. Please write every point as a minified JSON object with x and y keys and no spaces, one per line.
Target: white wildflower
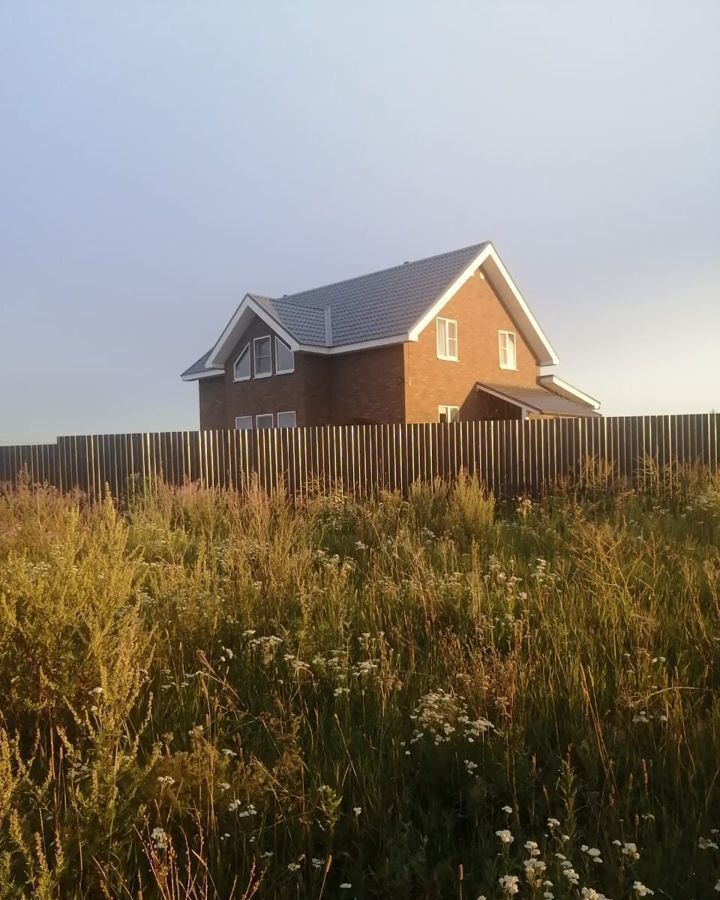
{"x":630,"y":850}
{"x":641,"y":890}
{"x":159,"y":839}
{"x":509,"y":884}
{"x":505,"y":836}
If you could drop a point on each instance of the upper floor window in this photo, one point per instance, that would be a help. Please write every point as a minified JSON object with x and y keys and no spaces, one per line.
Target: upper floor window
{"x":448,"y":414}
{"x":241,"y":369}
{"x":264,"y":421}
{"x":244,"y":423}
{"x":262,"y":348}
{"x":447,"y":342}
{"x":508,"y":354}
{"x":284,"y":358}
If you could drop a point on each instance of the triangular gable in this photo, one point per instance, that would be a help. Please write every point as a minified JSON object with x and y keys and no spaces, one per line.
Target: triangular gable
{"x":510,"y":296}
{"x":249,"y":306}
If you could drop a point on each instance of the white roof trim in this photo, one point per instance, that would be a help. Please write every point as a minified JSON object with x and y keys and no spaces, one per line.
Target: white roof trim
{"x":558,"y":386}
{"x":234,"y":328}
{"x":509,"y":294}
{"x":350,"y":348}
{"x":209,"y":373}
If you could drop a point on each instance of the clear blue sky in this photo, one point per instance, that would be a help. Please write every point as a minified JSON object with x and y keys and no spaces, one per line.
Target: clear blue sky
{"x":158,"y":160}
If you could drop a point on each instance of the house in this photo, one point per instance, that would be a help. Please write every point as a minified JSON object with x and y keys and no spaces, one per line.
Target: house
{"x":440,"y":339}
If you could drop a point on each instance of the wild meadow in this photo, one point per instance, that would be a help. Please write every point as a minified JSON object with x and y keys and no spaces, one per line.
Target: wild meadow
{"x":204,"y":695}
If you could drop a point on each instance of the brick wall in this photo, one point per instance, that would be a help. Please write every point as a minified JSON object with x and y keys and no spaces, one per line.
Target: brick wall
{"x":368,"y":387}
{"x":430,"y":382}
{"x":353,"y":388}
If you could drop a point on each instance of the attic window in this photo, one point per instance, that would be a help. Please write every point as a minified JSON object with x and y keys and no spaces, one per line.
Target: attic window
{"x":241,"y":369}
{"x":263,"y":357}
{"x":447,"y":342}
{"x":284,"y":358}
{"x":508,"y":353}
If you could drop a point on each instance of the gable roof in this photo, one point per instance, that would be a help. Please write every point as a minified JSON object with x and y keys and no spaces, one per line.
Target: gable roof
{"x":389,"y":306}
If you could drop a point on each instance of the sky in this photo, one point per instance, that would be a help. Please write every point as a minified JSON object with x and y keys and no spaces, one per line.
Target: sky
{"x":159,"y":160}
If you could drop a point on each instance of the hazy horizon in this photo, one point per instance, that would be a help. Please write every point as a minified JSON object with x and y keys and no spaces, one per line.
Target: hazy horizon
{"x":160,"y":161}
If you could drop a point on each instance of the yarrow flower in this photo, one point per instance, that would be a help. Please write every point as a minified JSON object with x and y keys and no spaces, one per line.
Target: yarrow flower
{"x":159,"y":838}
{"x":505,"y":836}
{"x":509,"y":884}
{"x":630,"y":850}
{"x":707,"y":844}
{"x":641,"y":890}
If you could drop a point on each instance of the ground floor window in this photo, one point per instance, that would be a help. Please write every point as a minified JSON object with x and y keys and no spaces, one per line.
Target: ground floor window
{"x":448,"y":414}
{"x":286,"y":419}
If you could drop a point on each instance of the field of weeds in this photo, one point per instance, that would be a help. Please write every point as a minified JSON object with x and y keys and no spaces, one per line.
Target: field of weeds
{"x":211,"y":696}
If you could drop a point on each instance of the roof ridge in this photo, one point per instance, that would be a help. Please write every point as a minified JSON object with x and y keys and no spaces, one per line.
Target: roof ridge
{"x":320,"y":287}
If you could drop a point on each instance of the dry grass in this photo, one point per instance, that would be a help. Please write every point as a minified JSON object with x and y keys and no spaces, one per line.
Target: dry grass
{"x":211,"y":696}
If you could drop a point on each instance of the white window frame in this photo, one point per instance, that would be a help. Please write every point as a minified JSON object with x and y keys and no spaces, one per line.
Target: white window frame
{"x":278,"y":370}
{"x":268,"y":338}
{"x":446,"y":407}
{"x":503,"y":349}
{"x":245,"y":349}
{"x":446,"y":353}
{"x":287,"y":412}
{"x":258,"y":426}
{"x":239,"y":419}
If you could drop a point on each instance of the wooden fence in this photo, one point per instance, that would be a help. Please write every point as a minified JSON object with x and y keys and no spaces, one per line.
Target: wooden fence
{"x":511,"y":457}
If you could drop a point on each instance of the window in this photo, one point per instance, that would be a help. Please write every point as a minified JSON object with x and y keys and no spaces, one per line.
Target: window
{"x":264,"y":421}
{"x":286,"y":419}
{"x":448,"y":414}
{"x":508,"y":357}
{"x":284,"y":358}
{"x":241,"y":369}
{"x":447,"y":342}
{"x":244,"y":423}
{"x":263,"y":357}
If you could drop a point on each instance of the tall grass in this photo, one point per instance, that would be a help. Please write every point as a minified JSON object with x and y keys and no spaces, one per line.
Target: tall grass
{"x":207,"y":695}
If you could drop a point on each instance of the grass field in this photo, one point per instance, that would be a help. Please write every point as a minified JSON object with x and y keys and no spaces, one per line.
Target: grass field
{"x":209,"y":696}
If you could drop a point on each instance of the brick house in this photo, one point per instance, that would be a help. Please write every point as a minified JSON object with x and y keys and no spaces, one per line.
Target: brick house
{"x":444,"y":338}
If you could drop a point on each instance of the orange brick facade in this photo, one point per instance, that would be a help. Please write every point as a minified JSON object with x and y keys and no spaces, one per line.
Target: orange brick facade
{"x":396,"y":383}
{"x":430,"y":382}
